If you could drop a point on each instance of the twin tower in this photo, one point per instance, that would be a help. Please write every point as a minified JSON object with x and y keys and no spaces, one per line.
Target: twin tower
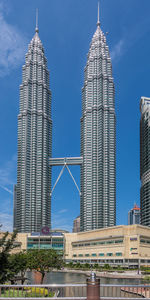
{"x":32,"y":193}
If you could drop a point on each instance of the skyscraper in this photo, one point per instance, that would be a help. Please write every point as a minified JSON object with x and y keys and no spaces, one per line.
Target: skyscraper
{"x":145,"y":160}
{"x":76,"y":224}
{"x":134,"y":215}
{"x":32,"y":201}
{"x":98,"y":138}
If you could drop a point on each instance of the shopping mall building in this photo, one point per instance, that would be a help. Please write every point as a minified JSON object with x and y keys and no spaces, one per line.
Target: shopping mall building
{"x":120,"y":245}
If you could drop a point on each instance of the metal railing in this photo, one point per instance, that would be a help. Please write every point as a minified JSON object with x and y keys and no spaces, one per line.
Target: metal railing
{"x":73,"y":291}
{"x":55,"y":291}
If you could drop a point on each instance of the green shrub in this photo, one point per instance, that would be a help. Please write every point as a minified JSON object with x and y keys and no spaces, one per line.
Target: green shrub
{"x":38,"y":292}
{"x":26,"y":292}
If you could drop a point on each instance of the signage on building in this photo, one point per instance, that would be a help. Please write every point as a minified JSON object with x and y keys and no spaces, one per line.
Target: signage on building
{"x":35,"y":233}
{"x":56,"y":233}
{"x":45,"y":230}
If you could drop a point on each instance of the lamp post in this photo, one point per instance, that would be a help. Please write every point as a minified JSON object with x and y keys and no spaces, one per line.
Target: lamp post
{"x":93,"y":287}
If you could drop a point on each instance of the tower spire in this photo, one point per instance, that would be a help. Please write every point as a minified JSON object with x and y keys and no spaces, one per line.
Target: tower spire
{"x":36,"y":28}
{"x":98,"y":21}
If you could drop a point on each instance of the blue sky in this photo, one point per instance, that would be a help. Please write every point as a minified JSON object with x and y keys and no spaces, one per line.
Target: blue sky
{"x":66,"y":28}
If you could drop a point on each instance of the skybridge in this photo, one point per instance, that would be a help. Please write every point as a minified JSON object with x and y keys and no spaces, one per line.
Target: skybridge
{"x":65,"y":162}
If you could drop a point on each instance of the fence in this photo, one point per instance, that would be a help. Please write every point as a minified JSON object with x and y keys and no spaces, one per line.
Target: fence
{"x":92,"y":290}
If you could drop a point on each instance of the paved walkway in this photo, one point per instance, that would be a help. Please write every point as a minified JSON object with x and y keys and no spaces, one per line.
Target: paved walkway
{"x":140,"y":291}
{"x":125,"y":274}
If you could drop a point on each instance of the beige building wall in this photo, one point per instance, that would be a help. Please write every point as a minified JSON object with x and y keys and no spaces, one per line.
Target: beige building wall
{"x":114,"y":245}
{"x":20,"y":241}
{"x":22,"y":238}
{"x":17,"y":242}
{"x":128,"y":245}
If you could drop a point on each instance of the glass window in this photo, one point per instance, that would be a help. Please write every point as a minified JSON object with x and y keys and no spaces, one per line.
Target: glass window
{"x":118,"y":253}
{"x":118,"y":241}
{"x":94,"y":254}
{"x":109,"y":254}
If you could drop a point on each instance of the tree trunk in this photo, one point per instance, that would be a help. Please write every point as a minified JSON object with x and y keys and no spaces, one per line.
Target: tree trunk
{"x":23,"y":278}
{"x":43,"y":274}
{"x":38,"y":277}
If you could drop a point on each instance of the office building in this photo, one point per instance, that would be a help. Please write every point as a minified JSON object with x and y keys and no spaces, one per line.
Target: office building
{"x":134,"y":215}
{"x":145,"y":160}
{"x":32,"y":200}
{"x":14,"y":204}
{"x":76,"y":224}
{"x":98,"y":138}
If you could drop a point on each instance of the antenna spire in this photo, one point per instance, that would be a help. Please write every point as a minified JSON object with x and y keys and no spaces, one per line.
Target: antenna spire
{"x":98,"y":21}
{"x":36,"y":28}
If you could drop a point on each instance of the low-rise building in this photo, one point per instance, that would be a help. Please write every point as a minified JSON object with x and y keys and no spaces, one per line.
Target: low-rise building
{"x":16,"y":243}
{"x":119,"y":245}
{"x":53,"y":240}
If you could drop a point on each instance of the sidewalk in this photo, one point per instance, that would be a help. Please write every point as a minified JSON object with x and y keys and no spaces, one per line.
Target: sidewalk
{"x":125,"y":274}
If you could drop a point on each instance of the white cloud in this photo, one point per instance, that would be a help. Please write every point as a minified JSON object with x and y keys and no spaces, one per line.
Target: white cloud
{"x":12,"y":45}
{"x":6,"y":189}
{"x":6,"y":205}
{"x":8,"y":176}
{"x":129,"y":38}
{"x":62,"y":223}
{"x":118,"y":50}
{"x":62,"y":211}
{"x":5,"y":7}
{"x":6,"y":218}
{"x":7,"y":222}
{"x":7,"y":180}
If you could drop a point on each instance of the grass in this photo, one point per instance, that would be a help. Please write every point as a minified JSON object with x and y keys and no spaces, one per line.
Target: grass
{"x":12,"y":293}
{"x":147,"y":277}
{"x":26,"y":292}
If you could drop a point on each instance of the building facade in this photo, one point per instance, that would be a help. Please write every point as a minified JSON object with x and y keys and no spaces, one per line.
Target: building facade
{"x":53,"y":240}
{"x":32,"y":201}
{"x":26,"y":241}
{"x":134,"y":215}
{"x":76,"y":224}
{"x":98,"y":138}
{"x":145,"y":160}
{"x":128,"y":246}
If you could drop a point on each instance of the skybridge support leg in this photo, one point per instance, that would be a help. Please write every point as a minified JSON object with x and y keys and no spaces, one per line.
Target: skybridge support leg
{"x":59,"y":176}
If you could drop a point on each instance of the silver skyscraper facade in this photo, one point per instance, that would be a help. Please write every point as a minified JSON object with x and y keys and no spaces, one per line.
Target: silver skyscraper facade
{"x":98,"y":138}
{"x":145,"y":160}
{"x":32,"y":198}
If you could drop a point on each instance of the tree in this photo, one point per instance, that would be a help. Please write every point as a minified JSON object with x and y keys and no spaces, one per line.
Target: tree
{"x":70,"y":265}
{"x":95,"y":266}
{"x":107,"y":266}
{"x":18,"y":263}
{"x":43,"y":261}
{"x":78,"y":265}
{"x":6,"y":245}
